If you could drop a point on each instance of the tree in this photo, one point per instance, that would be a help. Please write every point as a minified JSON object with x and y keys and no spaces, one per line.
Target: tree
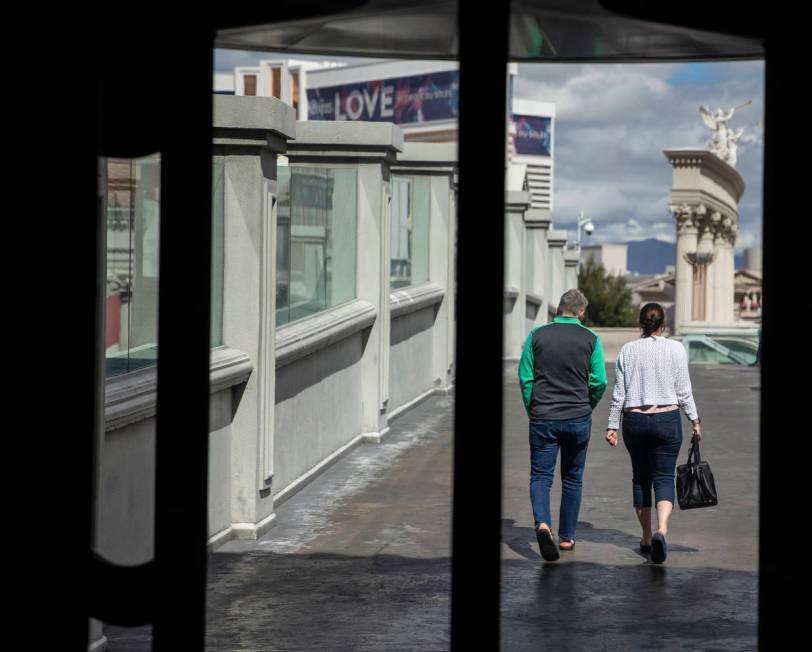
{"x":610,"y":303}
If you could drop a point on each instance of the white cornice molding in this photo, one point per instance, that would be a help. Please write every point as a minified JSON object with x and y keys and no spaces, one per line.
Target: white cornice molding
{"x":132,"y":397}
{"x":305,"y":336}
{"x":411,"y":299}
{"x":556,"y":238}
{"x":703,"y":158}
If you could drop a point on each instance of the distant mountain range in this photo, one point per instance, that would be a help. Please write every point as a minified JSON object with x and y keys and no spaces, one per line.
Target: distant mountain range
{"x":651,"y":256}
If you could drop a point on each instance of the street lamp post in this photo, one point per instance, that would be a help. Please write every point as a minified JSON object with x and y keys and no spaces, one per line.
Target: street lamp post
{"x":586,"y":225}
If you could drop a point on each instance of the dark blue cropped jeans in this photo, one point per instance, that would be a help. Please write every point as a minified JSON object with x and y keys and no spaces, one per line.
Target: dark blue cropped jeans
{"x":653,"y":442}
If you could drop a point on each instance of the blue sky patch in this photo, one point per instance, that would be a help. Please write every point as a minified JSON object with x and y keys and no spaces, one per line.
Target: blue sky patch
{"x":695,"y":74}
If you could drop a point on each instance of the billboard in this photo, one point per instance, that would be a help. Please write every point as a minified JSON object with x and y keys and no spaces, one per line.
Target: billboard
{"x":411,"y":100}
{"x":533,"y":135}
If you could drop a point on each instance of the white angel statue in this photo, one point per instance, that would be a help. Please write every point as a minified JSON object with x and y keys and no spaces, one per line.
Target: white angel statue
{"x":716,"y":121}
{"x":723,"y":142}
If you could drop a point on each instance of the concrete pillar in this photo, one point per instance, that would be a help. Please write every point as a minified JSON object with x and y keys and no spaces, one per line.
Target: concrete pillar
{"x":250,"y":133}
{"x":571,"y":258}
{"x":438,"y":162}
{"x":516,"y":204}
{"x":372,"y":149}
{"x":556,"y":241}
{"x":537,"y":224}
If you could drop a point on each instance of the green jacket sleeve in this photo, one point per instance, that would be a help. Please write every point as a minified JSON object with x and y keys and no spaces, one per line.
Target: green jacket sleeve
{"x":597,"y":374}
{"x":527,"y":371}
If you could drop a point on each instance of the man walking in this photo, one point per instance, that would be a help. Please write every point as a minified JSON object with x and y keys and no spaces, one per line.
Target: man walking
{"x":562,"y":376}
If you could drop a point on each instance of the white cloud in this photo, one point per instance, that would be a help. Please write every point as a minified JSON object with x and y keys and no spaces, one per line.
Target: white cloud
{"x":613,"y":123}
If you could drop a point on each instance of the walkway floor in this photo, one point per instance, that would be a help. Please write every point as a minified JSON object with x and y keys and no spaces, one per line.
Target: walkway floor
{"x":360,"y":558}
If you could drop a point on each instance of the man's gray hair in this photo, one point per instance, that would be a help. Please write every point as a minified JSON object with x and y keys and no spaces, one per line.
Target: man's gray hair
{"x":573,"y":301}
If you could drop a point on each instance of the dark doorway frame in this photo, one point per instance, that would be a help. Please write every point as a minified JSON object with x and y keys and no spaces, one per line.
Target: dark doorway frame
{"x":171,"y":591}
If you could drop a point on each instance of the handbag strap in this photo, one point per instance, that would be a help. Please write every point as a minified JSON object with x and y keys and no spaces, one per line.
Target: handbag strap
{"x":694,"y":453}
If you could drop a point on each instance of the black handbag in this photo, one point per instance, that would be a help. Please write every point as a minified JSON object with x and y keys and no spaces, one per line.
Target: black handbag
{"x":695,"y":485}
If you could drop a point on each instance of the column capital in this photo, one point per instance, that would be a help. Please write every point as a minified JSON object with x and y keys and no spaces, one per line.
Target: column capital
{"x":688,"y":216}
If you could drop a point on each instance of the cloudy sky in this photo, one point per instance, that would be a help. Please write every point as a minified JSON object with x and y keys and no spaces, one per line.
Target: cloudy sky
{"x":613,"y":123}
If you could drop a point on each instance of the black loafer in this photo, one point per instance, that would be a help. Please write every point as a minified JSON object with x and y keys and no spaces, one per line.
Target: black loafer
{"x":645,"y":549}
{"x":549,"y":551}
{"x":659,"y":548}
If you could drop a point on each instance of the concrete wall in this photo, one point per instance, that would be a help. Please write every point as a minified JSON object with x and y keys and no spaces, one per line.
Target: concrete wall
{"x":318,"y":408}
{"x":411,"y":355}
{"x":287,"y":401}
{"x":614,"y":338}
{"x":127,"y":499}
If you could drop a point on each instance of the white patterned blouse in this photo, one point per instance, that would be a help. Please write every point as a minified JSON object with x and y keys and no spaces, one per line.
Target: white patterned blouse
{"x":651,"y":371}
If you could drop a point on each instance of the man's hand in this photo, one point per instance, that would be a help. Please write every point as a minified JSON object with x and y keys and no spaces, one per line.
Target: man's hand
{"x":611,"y":437}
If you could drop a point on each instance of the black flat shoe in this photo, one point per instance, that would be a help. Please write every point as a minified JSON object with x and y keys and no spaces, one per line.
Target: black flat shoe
{"x":659,"y":548}
{"x":547,"y":546}
{"x":645,"y":549}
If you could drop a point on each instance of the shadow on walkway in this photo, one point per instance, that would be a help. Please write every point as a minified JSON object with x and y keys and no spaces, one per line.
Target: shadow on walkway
{"x":522,"y":540}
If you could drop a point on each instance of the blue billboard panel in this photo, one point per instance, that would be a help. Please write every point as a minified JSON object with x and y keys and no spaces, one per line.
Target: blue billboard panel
{"x":533,"y":135}
{"x":402,"y":100}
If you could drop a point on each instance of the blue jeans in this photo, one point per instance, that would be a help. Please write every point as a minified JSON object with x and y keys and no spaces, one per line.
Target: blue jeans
{"x":546,"y":438}
{"x":653,"y":442}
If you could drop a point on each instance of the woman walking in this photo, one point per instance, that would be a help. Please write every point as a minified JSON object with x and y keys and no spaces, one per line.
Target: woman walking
{"x":651,"y":385}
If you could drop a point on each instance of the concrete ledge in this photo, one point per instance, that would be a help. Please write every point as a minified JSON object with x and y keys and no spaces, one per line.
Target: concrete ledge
{"x":411,"y":299}
{"x":308,"y":335}
{"x":228,"y":367}
{"x":571,"y":258}
{"x":535,"y":299}
{"x":325,"y":139}
{"x":537,"y":218}
{"x":253,"y":116}
{"x":517,"y":200}
{"x":427,"y":158}
{"x":556,"y":238}
{"x":511,"y":292}
{"x":132,"y":397}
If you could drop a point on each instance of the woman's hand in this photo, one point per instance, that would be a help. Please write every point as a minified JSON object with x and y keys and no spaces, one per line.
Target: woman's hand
{"x":611,"y":437}
{"x":697,"y":433}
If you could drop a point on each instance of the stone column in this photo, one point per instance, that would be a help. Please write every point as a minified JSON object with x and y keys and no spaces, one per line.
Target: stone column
{"x":516,"y":204}
{"x":702,"y":179}
{"x":727,"y":287}
{"x":537,"y":224}
{"x":687,"y":232}
{"x":556,"y":241}
{"x":707,"y":261}
{"x":717,"y":268}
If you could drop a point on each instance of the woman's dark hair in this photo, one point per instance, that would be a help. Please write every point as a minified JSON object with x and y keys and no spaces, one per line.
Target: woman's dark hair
{"x":652,"y":316}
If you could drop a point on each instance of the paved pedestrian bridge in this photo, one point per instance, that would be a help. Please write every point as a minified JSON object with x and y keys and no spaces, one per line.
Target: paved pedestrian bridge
{"x":360,"y":558}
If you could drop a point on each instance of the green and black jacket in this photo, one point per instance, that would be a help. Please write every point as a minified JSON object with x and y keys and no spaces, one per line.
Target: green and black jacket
{"x":561,"y":371}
